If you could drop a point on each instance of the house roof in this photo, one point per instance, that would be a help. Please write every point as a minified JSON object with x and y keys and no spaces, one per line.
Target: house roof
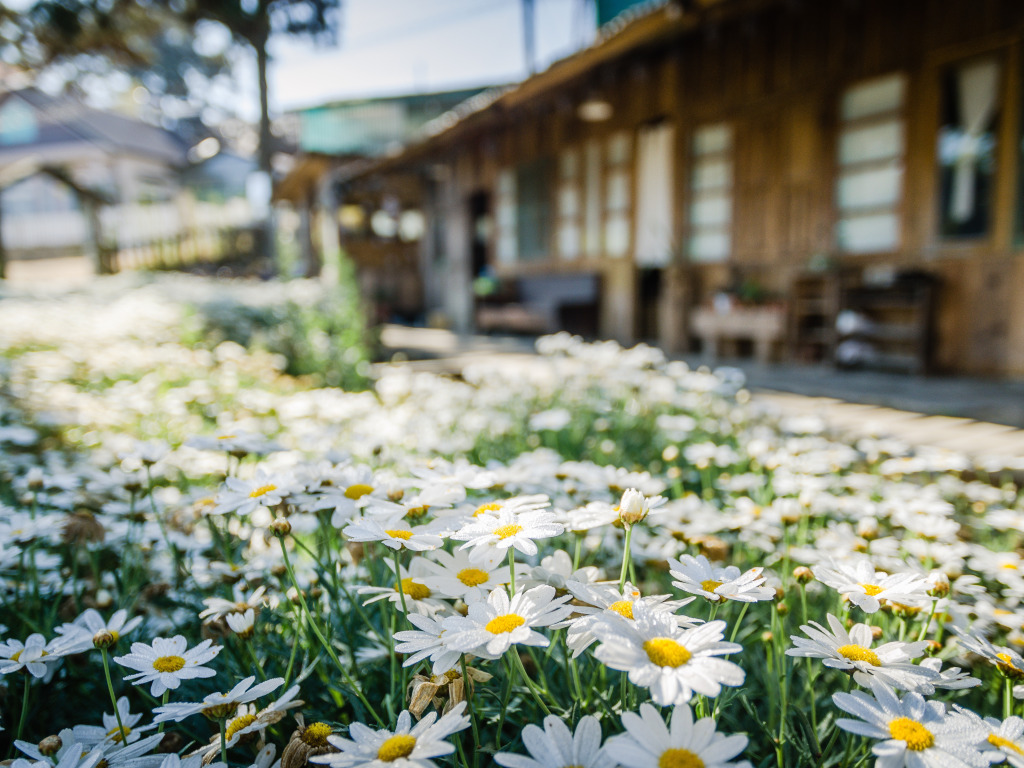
{"x":647,"y":25}
{"x":62,"y":120}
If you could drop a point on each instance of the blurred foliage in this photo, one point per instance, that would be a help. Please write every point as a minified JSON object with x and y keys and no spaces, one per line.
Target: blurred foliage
{"x":319,"y":330}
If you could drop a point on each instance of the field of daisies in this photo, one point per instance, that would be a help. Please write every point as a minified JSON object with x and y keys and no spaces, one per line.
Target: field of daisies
{"x":213,"y":554}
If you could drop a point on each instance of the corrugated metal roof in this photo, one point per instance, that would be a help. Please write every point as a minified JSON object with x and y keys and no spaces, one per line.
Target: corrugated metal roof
{"x":61,"y":120}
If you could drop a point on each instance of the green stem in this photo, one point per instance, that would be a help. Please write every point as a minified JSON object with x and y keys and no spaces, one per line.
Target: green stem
{"x":398,"y":576}
{"x":526,"y":679}
{"x":1007,"y":698}
{"x":468,"y":685}
{"x":113,"y":698}
{"x":927,"y":624}
{"x":511,"y":572}
{"x":625,"y":558}
{"x":323,"y":640}
{"x":223,"y":741}
{"x":24,"y":707}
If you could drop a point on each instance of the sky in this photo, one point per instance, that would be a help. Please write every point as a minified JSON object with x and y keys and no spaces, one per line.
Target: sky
{"x":390,"y":47}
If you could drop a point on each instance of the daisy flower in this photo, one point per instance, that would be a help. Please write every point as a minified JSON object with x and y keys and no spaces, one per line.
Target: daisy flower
{"x":866,"y":588}
{"x":851,"y":652}
{"x":398,"y":535}
{"x":219,"y":705}
{"x":91,"y":735}
{"x":1005,"y":738}
{"x":492,"y":627}
{"x":697,"y":576}
{"x":425,"y":642}
{"x":77,"y":637}
{"x":674,"y":663}
{"x":73,"y":756}
{"x":167,"y":662}
{"x":243,"y":497}
{"x":457,"y":576}
{"x":649,"y":743}
{"x":555,"y":746}
{"x":1007,"y":660}
{"x":913,"y":732}
{"x":605,"y":600}
{"x":409,"y":746}
{"x":33,"y":656}
{"x":508,"y":527}
{"x":418,"y":596}
{"x":247,"y":720}
{"x":218,"y":607}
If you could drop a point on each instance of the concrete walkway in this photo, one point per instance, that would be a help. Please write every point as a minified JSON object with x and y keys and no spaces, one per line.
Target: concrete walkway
{"x":979,"y":417}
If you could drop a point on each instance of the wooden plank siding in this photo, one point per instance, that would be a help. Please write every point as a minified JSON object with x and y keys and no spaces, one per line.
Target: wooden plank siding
{"x":775,"y":71}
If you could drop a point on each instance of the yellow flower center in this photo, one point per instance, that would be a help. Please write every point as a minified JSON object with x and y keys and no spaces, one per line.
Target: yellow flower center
{"x":917,"y":737}
{"x":263,"y":490}
{"x":491,"y":506}
{"x":1001,"y":612}
{"x":472,"y":577}
{"x":859,"y":653}
{"x":316,"y":735}
{"x":415,"y":513}
{"x":1008,"y":668}
{"x":871,"y":589}
{"x":227,"y":437}
{"x":506,"y":623}
{"x":357,"y":491}
{"x":399,"y":745}
{"x":710,"y":585}
{"x":999,"y":742}
{"x":238,"y":724}
{"x":507,"y":530}
{"x":168,"y":663}
{"x":399,"y":534}
{"x":666,"y":652}
{"x":16,"y":656}
{"x":220,"y":711}
{"x":679,"y":758}
{"x":115,"y":734}
{"x":622,"y":607}
{"x":414,"y":590}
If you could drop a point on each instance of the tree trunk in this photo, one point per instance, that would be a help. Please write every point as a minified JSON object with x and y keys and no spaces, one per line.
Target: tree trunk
{"x":265,"y":246}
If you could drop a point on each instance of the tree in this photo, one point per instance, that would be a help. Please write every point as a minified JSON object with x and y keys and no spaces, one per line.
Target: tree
{"x":252,"y":22}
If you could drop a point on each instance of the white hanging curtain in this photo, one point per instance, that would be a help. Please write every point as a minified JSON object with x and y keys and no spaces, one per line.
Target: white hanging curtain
{"x":654,"y":195}
{"x":977,"y":86}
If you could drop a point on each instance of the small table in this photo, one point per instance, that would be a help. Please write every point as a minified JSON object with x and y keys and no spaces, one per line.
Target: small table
{"x":762,"y":325}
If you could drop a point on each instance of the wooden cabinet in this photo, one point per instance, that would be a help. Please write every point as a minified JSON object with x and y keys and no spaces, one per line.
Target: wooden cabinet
{"x":887,"y":327}
{"x":814,"y":306}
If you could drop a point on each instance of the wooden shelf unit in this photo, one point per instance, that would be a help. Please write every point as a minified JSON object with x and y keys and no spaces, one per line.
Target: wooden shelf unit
{"x":814,"y":306}
{"x":898,"y":323}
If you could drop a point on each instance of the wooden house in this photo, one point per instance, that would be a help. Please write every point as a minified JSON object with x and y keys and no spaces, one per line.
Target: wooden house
{"x":854,"y":164}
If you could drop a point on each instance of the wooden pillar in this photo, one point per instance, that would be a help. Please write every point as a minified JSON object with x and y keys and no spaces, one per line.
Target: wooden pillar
{"x":618,"y":302}
{"x":330,"y":241}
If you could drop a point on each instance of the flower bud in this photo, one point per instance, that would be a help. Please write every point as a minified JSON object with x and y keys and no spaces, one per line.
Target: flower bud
{"x":35,"y":481}
{"x":803,"y":574}
{"x":104,"y":639}
{"x":281,"y":527}
{"x":50,"y":746}
{"x":782,"y":608}
{"x":939,"y":582}
{"x":876,"y":633}
{"x":633,"y":508}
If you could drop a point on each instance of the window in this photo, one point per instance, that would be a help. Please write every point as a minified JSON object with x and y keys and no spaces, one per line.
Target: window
{"x":654,"y":194}
{"x":871,"y":150}
{"x":711,"y":194}
{"x":568,"y":205}
{"x":617,"y":194}
{"x":532,"y":210}
{"x":592,"y":245}
{"x":505,"y":206}
{"x":967,"y":147}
